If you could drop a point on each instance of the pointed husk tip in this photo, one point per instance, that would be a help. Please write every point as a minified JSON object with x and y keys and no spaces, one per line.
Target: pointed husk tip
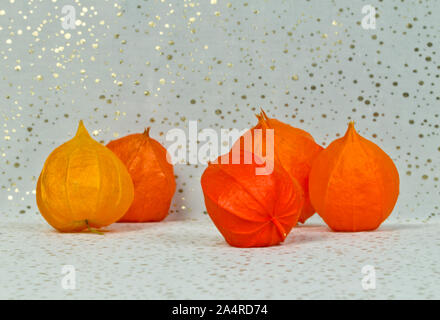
{"x":350,"y":129}
{"x":351,"y":126}
{"x":81,"y":129}
{"x":263,"y":114}
{"x":147,"y":132}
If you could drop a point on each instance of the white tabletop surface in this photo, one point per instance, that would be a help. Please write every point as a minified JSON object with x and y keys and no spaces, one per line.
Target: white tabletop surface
{"x":188,"y":259}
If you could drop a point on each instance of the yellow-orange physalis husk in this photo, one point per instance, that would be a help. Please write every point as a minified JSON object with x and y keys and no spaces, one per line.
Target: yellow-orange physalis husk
{"x":83,"y":185}
{"x":294,"y":149}
{"x":353,"y":184}
{"x":250,"y":209}
{"x":152,"y":175}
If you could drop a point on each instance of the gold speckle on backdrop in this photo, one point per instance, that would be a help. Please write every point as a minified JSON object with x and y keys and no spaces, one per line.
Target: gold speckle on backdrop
{"x":125,"y":65}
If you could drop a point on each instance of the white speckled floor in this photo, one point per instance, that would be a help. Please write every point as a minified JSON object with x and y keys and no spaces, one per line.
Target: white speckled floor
{"x":188,"y":259}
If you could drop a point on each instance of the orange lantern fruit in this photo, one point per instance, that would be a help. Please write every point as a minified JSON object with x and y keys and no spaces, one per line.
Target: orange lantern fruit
{"x":294,"y":150}
{"x":152,"y":174}
{"x":250,"y":209}
{"x":83,"y":185}
{"x":353,"y":184}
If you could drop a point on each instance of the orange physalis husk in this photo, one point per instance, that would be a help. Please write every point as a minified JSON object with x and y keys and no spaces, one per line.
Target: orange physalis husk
{"x":83,"y":185}
{"x":353,"y":184}
{"x":152,"y":174}
{"x":294,"y":150}
{"x":251,"y":210}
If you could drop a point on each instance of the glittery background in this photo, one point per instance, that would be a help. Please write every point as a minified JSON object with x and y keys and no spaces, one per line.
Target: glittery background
{"x":132,"y":64}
